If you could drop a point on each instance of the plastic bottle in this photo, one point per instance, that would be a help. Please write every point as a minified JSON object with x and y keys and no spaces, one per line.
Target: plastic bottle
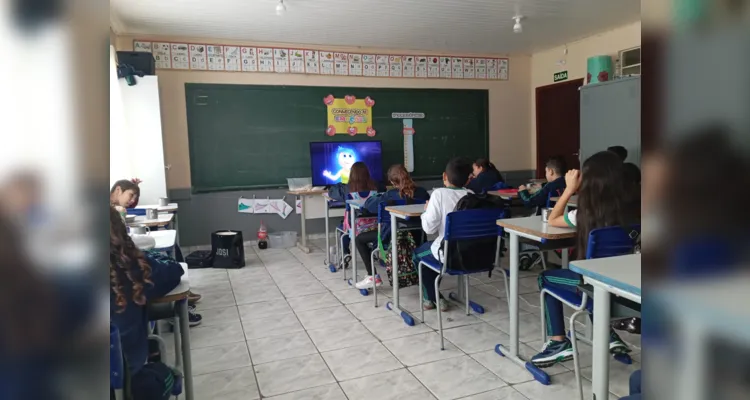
{"x":262,"y":236}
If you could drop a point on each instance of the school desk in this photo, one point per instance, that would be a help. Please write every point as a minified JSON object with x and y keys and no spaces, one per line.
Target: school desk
{"x":620,"y":276}
{"x":169,"y":208}
{"x":333,"y":209}
{"x":504,"y":194}
{"x":354,"y":207}
{"x":400,"y":212}
{"x":573,"y":202}
{"x":183,"y":359}
{"x":313,"y":207}
{"x":161,"y":220}
{"x":531,"y":228}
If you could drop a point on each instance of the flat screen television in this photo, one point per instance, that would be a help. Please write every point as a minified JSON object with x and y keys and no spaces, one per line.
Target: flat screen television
{"x":331,"y":161}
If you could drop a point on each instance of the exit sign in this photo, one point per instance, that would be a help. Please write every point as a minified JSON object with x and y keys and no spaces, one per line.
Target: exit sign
{"x":560,"y":76}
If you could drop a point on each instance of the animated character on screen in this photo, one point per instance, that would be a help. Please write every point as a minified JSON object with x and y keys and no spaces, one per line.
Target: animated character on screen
{"x":346,"y":158}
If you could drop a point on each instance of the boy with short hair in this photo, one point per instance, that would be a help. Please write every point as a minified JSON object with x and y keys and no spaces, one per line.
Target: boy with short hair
{"x":554,"y":172}
{"x":442,"y":201}
{"x":621,"y":152}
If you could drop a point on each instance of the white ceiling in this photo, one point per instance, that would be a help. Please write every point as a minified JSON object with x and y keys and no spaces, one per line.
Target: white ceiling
{"x":461,"y":26}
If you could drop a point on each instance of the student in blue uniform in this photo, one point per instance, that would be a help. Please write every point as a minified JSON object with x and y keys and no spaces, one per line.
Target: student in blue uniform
{"x":554,"y":172}
{"x":484,"y":176}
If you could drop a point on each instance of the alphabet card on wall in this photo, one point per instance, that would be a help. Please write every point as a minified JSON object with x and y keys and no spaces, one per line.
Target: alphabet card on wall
{"x":492,"y":68}
{"x":312,"y":62}
{"x":142,"y":46}
{"x":445,"y":67}
{"x":265,"y":59}
{"x":232,"y":60}
{"x":468,"y":68}
{"x":502,"y":69}
{"x":409,"y":62}
{"x":281,"y":60}
{"x":249,"y":59}
{"x":215,"y":58}
{"x":180,"y":56}
{"x":458,"y":67}
{"x":480,"y":68}
{"x":341,"y":64}
{"x":198,"y":57}
{"x":369,"y":67}
{"x":433,"y":69}
{"x":326,"y":63}
{"x":420,"y":70}
{"x":355,"y":64}
{"x":296,"y":61}
{"x":382,"y":62}
{"x":161,"y":55}
{"x":397,"y":66}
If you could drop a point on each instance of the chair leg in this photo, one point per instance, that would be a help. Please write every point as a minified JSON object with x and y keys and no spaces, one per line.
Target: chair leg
{"x":507,"y":288}
{"x":419,"y":272}
{"x":439,"y":312}
{"x":372,"y":265}
{"x":465,"y":279}
{"x":542,"y":257}
{"x":543,"y":307}
{"x":573,"y":341}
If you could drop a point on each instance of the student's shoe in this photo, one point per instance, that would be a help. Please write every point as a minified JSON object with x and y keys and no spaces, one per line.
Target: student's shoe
{"x":368,"y":282}
{"x":428,"y":305}
{"x":194,"y":319}
{"x":553,"y":352}
{"x":443,"y":304}
{"x":193,"y":298}
{"x":616,"y":345}
{"x":630,"y":325}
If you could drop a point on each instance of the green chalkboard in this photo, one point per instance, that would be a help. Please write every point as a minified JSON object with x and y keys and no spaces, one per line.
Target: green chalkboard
{"x":255,"y":136}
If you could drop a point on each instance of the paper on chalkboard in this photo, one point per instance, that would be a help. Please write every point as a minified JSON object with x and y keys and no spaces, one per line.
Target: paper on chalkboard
{"x":246,"y":206}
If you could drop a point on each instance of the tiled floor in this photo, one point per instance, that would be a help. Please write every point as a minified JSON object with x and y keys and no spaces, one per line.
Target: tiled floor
{"x":284,"y":327}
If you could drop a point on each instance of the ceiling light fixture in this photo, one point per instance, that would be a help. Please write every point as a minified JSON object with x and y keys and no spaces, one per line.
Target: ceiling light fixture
{"x":280,"y":8}
{"x":517,"y":28}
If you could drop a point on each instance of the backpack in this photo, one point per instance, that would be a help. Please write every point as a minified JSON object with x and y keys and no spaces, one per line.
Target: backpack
{"x":407,"y":271}
{"x":473,"y":201}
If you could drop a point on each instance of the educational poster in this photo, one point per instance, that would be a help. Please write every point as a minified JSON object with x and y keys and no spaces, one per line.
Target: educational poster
{"x":232,"y":60}
{"x":246,"y":206}
{"x":349,"y":115}
{"x":296,"y":61}
{"x":312,"y":62}
{"x":420,"y":69}
{"x":180,"y":56}
{"x":491,"y":68}
{"x":162,"y":55}
{"x":458,"y":67}
{"x":341,"y":64}
{"x":326,"y":63}
{"x":265,"y":59}
{"x":409,"y":62}
{"x":397,"y":66}
{"x":434,"y":66}
{"x":249,"y":58}
{"x":355,"y":64}
{"x":142,"y":46}
{"x":215,"y":57}
{"x":281,"y":60}
{"x":198,"y":57}
{"x":382,"y":62}
{"x":502,"y":69}
{"x":260,"y":206}
{"x":369,"y":67}
{"x":480,"y":68}
{"x":468,"y":68}
{"x":445,"y":67}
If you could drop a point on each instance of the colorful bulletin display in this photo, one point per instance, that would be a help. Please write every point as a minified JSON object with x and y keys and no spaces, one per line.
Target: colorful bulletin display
{"x":349,"y":115}
{"x":215,"y":57}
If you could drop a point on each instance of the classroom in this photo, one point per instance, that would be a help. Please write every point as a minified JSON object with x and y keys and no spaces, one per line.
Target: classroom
{"x":270,"y":159}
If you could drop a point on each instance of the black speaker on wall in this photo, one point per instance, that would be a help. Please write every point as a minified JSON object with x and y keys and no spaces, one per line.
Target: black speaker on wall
{"x":140,"y":61}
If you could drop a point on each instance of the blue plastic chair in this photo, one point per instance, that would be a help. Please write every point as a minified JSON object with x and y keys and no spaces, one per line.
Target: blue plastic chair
{"x":116,"y":363}
{"x":137,"y":211}
{"x":603,"y":242}
{"x":384,"y":220}
{"x":469,"y":247}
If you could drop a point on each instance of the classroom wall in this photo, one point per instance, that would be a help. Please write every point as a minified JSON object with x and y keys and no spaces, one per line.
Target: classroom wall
{"x":544,"y":64}
{"x":509,"y":127}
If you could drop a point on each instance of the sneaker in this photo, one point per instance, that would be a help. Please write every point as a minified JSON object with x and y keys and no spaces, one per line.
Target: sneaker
{"x":194,"y":318}
{"x":443,"y":304}
{"x":616,"y":345}
{"x":368,"y":282}
{"x":428,"y":305}
{"x":553,"y":352}
{"x":193,"y":298}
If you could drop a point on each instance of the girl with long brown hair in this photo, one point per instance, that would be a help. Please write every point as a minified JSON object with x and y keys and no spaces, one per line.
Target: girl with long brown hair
{"x":133,"y":280}
{"x":405,"y":191}
{"x":606,"y":197}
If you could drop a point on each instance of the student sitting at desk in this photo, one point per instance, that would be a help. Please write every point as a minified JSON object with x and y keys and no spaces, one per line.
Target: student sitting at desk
{"x":442,"y":201}
{"x":404,"y":190}
{"x":133,"y":282}
{"x":604,"y":199}
{"x":553,"y":172}
{"x":359,"y":189}
{"x":122,"y":195}
{"x":484,"y":176}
